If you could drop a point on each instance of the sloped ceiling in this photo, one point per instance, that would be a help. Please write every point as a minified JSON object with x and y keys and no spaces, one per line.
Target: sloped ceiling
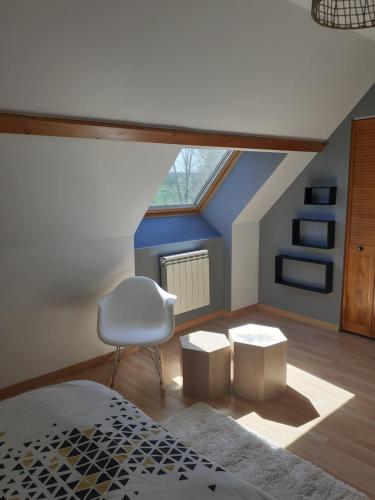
{"x":236,"y":65}
{"x":68,"y":212}
{"x":56,"y":190}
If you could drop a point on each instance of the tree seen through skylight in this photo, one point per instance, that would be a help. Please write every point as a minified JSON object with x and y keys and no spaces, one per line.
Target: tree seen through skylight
{"x":189,"y":175}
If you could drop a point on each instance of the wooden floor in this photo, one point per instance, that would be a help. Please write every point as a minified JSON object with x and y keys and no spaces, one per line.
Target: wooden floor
{"x":326,"y":416}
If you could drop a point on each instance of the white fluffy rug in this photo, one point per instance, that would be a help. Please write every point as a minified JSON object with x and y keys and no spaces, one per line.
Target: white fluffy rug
{"x":255,"y":459}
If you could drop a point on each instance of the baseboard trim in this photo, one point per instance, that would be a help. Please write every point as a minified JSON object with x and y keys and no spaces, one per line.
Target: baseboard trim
{"x":53,"y":377}
{"x":241,"y":311}
{"x":221,"y":313}
{"x":298,"y":317}
{"x":199,"y":320}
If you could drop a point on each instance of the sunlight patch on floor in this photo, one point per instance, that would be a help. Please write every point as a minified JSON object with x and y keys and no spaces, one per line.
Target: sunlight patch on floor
{"x":312,"y":400}
{"x":177,"y":380}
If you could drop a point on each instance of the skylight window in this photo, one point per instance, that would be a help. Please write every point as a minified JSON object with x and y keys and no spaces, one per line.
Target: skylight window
{"x":190,"y":176}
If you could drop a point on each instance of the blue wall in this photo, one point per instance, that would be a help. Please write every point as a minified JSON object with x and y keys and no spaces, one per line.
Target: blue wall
{"x":246,"y":178}
{"x":249,"y":174}
{"x":154,"y":231}
{"x":160,"y":235}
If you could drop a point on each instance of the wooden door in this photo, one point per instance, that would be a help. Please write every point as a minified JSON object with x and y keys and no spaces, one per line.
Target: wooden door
{"x":358,"y":300}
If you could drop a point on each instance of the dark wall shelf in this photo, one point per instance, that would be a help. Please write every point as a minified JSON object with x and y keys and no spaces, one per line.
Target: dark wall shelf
{"x":328,"y":280}
{"x":325,"y":195}
{"x":329,"y":236}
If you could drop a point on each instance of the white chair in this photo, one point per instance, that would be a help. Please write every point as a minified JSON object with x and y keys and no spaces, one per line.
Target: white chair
{"x":137,"y":313}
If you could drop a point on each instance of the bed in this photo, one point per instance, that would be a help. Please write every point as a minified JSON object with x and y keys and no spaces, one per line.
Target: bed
{"x":81,"y":440}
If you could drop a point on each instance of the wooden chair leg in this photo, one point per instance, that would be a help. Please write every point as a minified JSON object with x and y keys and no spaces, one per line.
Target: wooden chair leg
{"x":115,"y":364}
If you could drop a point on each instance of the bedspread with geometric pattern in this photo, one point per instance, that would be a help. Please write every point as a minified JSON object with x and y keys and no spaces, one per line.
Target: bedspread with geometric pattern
{"x":113,"y":450}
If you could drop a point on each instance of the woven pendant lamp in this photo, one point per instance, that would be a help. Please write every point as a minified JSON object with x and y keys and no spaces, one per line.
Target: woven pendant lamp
{"x":344,"y":14}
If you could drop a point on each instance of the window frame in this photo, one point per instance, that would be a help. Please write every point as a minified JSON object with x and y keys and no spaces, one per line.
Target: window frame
{"x":204,"y":196}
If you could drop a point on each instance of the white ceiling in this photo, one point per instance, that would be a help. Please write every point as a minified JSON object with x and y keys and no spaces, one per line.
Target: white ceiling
{"x":235,"y":65}
{"x":368,"y":32}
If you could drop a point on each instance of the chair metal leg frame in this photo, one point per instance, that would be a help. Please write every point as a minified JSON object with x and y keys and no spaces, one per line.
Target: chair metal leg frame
{"x":157,"y":358}
{"x":115,"y":364}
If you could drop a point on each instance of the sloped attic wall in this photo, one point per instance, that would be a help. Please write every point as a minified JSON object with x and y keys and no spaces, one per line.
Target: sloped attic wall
{"x":68,"y":212}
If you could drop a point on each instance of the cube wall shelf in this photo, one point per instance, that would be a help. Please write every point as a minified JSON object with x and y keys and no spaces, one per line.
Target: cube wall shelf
{"x":326,"y":287}
{"x":324,"y":239}
{"x":325,"y":195}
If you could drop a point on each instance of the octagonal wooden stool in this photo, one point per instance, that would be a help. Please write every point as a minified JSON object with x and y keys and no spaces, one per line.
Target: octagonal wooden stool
{"x":260,"y":360}
{"x":205,"y":364}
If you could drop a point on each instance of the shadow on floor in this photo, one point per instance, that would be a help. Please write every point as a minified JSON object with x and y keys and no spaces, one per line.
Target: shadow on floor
{"x":292,"y":408}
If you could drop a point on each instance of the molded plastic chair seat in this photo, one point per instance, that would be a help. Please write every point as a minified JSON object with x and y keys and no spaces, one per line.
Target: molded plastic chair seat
{"x":131,"y":335}
{"x":137,"y":313}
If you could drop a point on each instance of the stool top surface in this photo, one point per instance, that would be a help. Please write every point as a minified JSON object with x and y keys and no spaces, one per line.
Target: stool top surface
{"x":204,"y":341}
{"x":256,"y":335}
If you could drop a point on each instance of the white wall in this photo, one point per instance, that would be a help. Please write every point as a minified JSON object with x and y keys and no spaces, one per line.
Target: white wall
{"x":68,"y":212}
{"x":245,"y":264}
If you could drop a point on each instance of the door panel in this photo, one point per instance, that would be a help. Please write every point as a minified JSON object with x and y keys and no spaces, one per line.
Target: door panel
{"x":359,"y":292}
{"x":363,"y":231}
{"x":358,"y":315}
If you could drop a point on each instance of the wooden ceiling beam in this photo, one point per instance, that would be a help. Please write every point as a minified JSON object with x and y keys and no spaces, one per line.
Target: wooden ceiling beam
{"x":117,"y":131}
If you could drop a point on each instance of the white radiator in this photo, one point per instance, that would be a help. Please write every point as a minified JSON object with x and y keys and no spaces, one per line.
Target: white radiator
{"x":187,"y":275}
